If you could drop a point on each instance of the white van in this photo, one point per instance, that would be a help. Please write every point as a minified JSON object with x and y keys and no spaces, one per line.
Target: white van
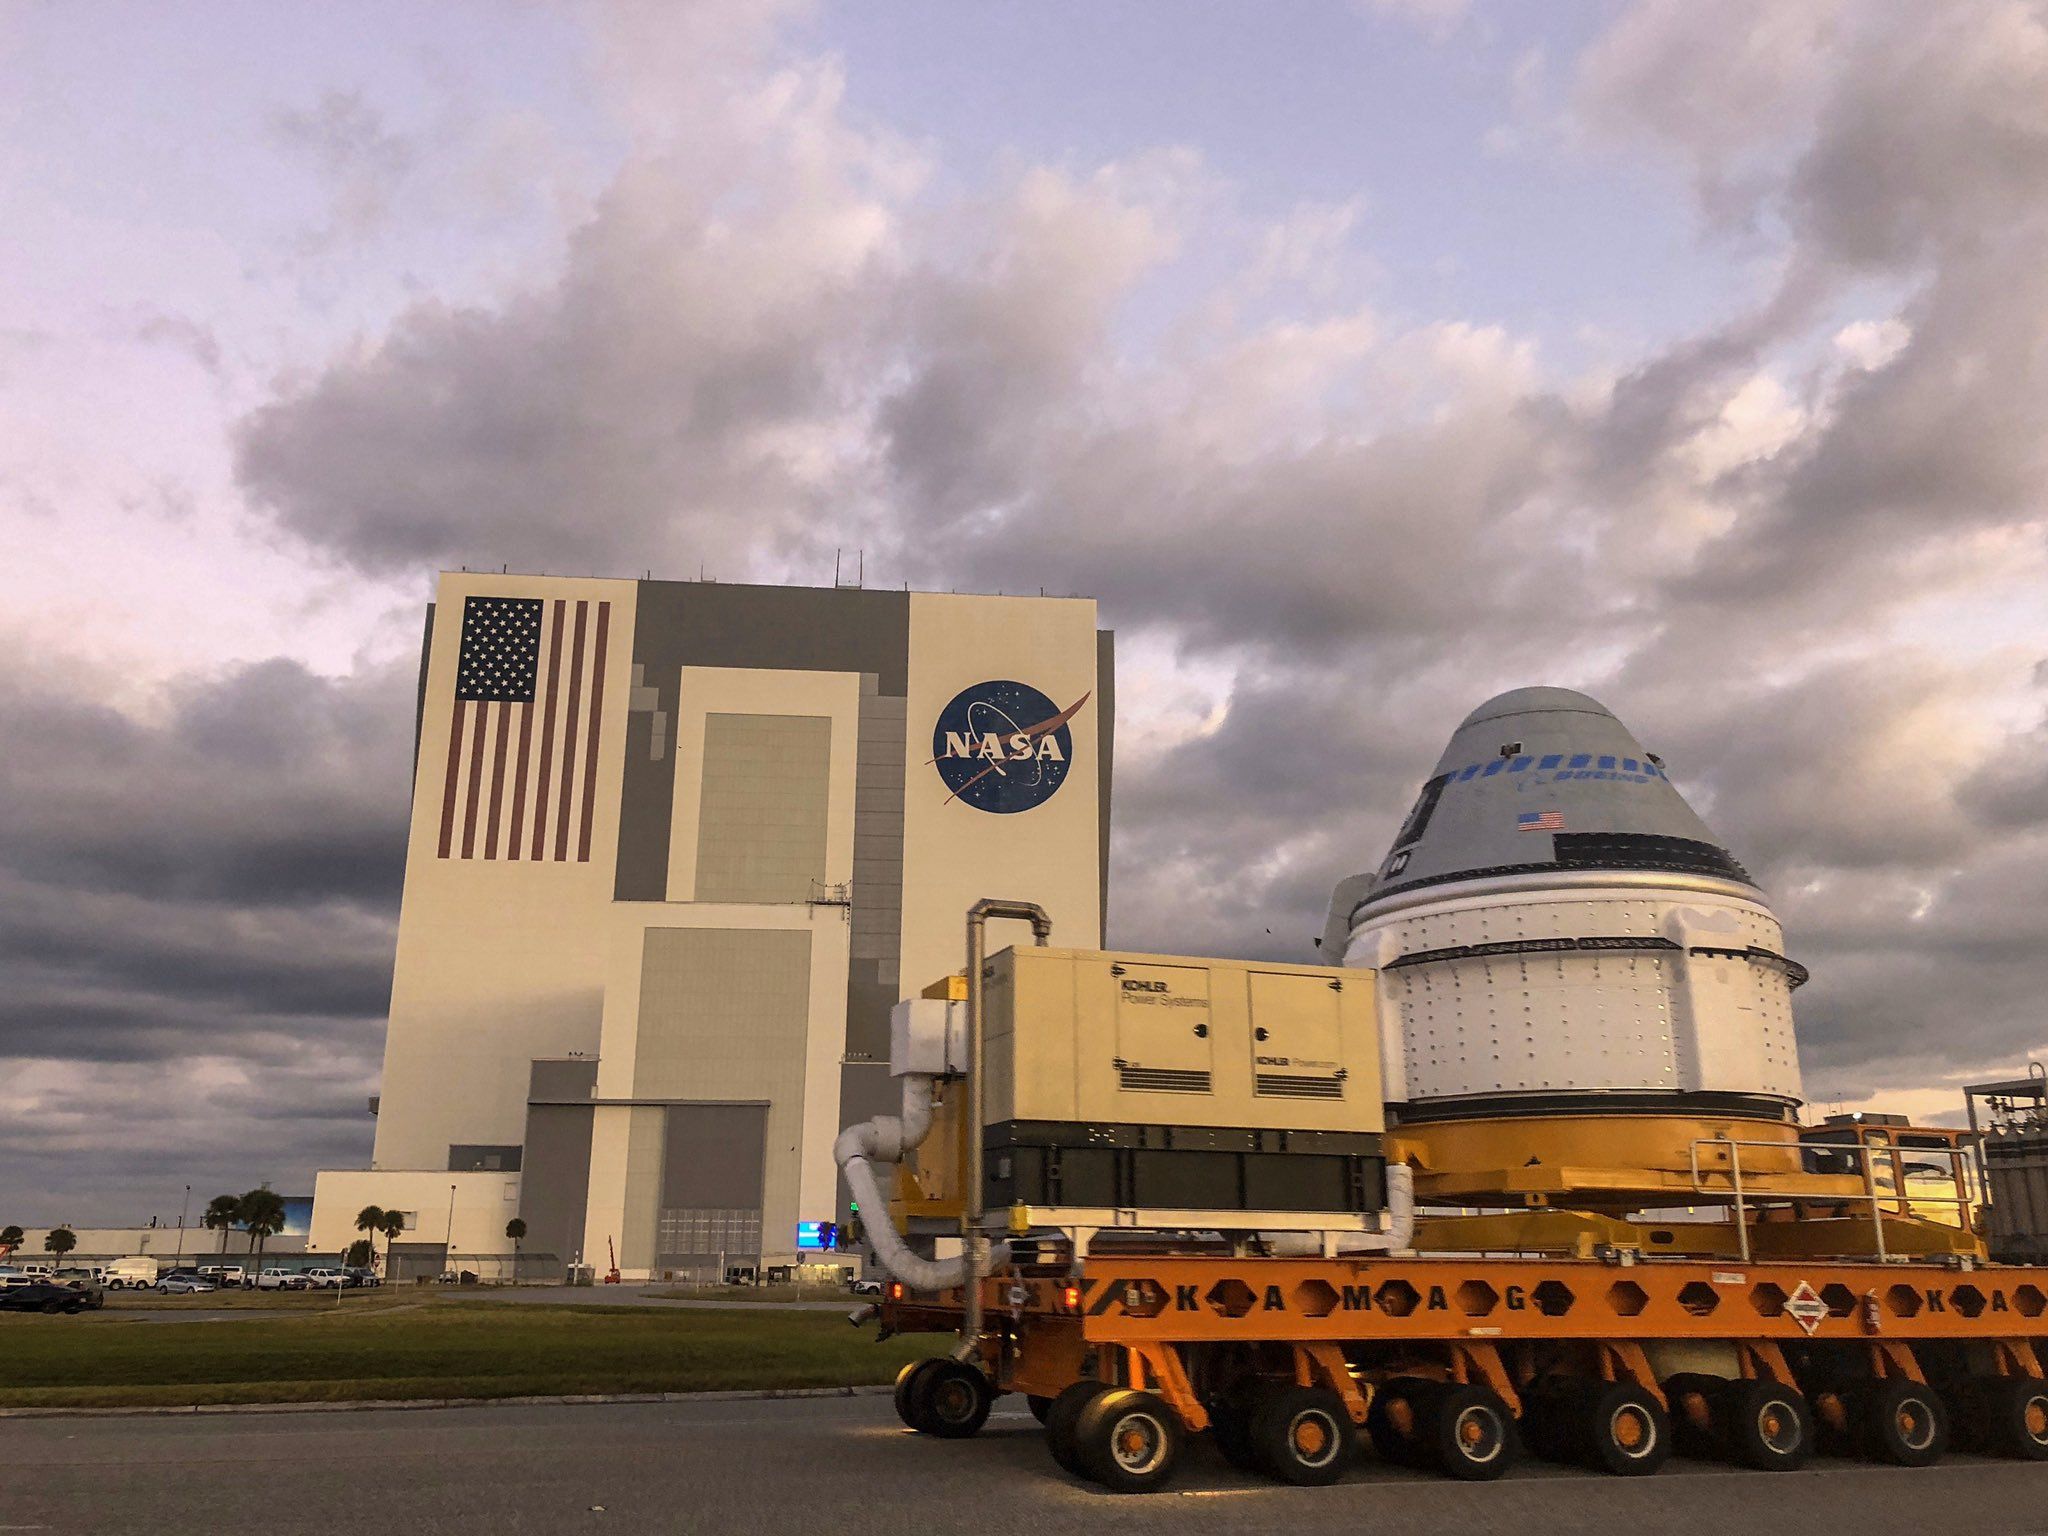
{"x":136,"y":1272}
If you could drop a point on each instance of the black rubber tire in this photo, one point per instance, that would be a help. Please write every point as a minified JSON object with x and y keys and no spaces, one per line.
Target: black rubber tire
{"x":1302,"y":1435}
{"x":1620,"y":1429}
{"x":52,"y":1307}
{"x":1039,"y":1406}
{"x":1392,"y":1444}
{"x":1763,"y":1425}
{"x":1688,"y":1437}
{"x":1903,"y":1423}
{"x":951,"y":1401}
{"x":1129,"y":1441}
{"x":1466,"y":1430}
{"x":2006,"y":1416}
{"x":1230,"y":1427}
{"x":1060,"y":1419}
{"x":1548,"y":1424}
{"x":906,"y":1387}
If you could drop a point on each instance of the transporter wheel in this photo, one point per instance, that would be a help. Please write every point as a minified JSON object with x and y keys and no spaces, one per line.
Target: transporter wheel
{"x":1230,"y":1426}
{"x":1764,"y":1425}
{"x":1621,"y":1429}
{"x":951,"y":1401}
{"x":1692,"y":1395}
{"x":1302,"y":1435}
{"x":2007,"y":1416}
{"x":1550,"y":1420}
{"x":1904,"y":1423}
{"x":1466,"y":1430}
{"x":1129,"y":1441}
{"x":1040,"y":1406}
{"x":1393,"y":1424}
{"x":1060,"y":1420}
{"x":906,"y":1390}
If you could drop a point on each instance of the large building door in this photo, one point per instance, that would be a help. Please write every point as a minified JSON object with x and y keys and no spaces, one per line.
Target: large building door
{"x":711,"y":1188}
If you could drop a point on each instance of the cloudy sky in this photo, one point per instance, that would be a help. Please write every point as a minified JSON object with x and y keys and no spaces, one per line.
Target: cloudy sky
{"x":1362,"y":358}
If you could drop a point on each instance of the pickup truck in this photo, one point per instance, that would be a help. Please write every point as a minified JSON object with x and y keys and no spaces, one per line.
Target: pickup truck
{"x":325,"y":1279}
{"x":274,"y":1279}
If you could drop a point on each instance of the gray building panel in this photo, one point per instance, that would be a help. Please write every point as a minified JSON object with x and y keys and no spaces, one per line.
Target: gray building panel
{"x":572,"y":1078}
{"x":767,"y":786}
{"x":554,"y":1188}
{"x":712,"y":624}
{"x":472,"y":1158}
{"x":713,"y":1179}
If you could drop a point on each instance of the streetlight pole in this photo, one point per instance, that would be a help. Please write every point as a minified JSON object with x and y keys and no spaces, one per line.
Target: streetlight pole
{"x":183,"y":1210}
{"x":448,"y":1263}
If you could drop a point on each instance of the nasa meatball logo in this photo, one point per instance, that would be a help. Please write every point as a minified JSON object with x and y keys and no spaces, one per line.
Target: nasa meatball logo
{"x":1003,"y":746}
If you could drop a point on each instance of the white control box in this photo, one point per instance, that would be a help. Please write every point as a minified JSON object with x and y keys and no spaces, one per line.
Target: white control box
{"x":928,"y":1036}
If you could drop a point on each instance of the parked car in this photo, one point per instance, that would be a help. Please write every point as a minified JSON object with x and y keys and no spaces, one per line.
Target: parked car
{"x":865,"y":1287}
{"x":184,"y":1282}
{"x":83,"y":1278}
{"x":42,"y":1296}
{"x":277,"y":1279}
{"x":137,"y":1272}
{"x":229,"y":1277}
{"x":14,"y":1279}
{"x":324,"y":1279}
{"x":357,"y":1276}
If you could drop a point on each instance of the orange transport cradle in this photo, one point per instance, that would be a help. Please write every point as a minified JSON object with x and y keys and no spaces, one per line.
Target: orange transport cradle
{"x":1458,"y":1364}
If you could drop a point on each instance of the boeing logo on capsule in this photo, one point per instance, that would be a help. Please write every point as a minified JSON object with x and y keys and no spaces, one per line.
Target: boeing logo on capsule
{"x":1003,"y":746}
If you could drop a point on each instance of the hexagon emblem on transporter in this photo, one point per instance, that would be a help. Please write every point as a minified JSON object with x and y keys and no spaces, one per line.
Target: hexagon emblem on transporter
{"x":1581,"y":991}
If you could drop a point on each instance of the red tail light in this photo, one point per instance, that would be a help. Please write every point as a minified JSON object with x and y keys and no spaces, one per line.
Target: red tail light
{"x":896,"y":1290}
{"x":1070,"y":1298}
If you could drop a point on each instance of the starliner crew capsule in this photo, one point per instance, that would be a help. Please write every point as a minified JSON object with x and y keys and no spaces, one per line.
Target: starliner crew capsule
{"x":1579,"y":986}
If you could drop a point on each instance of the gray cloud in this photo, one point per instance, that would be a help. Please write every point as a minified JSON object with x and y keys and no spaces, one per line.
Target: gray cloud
{"x":197,"y":899}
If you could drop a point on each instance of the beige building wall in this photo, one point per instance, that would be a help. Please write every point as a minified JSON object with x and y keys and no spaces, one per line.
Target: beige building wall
{"x":713,"y":999}
{"x":498,"y":961}
{"x":482,"y":1204}
{"x":953,"y":854}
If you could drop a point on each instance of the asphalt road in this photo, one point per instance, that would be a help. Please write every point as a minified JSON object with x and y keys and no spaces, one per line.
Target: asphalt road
{"x":763,"y":1467}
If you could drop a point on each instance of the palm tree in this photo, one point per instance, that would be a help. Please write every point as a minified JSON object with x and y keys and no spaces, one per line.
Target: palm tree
{"x":222,"y":1212}
{"x":516,"y":1230}
{"x":394,"y":1223}
{"x":263,"y":1215}
{"x":60,"y":1242}
{"x":370,"y":1219}
{"x":10,"y":1238}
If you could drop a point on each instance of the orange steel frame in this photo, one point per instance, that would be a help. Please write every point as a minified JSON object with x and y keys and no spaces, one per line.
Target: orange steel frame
{"x":1142,"y":1319}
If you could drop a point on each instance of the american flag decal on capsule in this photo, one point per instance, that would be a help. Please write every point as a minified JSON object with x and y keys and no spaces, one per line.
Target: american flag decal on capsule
{"x":1540,"y":821}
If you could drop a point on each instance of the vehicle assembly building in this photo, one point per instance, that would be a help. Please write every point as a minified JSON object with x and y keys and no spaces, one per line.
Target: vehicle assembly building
{"x":676,"y":848}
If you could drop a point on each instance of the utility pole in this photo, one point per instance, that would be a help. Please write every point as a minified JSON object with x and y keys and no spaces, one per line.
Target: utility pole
{"x":182,"y":1210}
{"x":448,"y":1263}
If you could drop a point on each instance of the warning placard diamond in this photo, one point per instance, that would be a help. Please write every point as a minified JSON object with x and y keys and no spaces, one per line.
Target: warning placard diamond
{"x":1805,"y":1307}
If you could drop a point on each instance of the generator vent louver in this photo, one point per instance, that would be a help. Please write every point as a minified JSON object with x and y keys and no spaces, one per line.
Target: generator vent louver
{"x":1281,"y":1086}
{"x":1162,"y":1080}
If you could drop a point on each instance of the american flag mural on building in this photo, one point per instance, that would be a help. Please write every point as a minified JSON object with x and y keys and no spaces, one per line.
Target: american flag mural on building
{"x":521,"y":779}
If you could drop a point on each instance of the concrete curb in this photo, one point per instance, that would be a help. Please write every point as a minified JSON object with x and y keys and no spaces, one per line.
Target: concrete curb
{"x":369,"y":1405}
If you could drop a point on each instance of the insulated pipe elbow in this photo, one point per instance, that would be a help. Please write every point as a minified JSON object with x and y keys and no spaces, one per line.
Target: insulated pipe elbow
{"x":915,"y":1271}
{"x":1399,"y":1233}
{"x":885,"y":1139}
